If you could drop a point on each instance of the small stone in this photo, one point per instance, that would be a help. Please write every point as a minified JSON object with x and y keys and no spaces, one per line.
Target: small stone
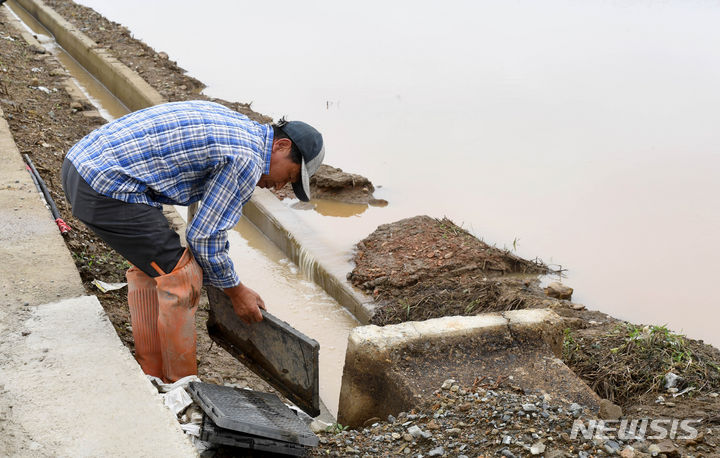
{"x":77,"y":106}
{"x":454,"y":388}
{"x":507,"y":453}
{"x":454,"y":431}
{"x":667,"y":448}
{"x":609,"y":411}
{"x":506,"y":440}
{"x":432,"y":425}
{"x":34,"y":82}
{"x":407,"y":437}
{"x":653,"y":450}
{"x":395,"y":436}
{"x":537,"y":448}
{"x":529,"y":407}
{"x":391,"y":419}
{"x":611,"y":447}
{"x":415,"y":431}
{"x":163,"y":55}
{"x":447,"y":384}
{"x":558,"y":291}
{"x":578,"y":307}
{"x":628,"y":452}
{"x":671,"y":380}
{"x":438,"y":451}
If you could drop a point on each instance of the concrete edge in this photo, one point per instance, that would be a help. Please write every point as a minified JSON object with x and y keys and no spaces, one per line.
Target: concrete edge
{"x":264,"y":210}
{"x":126,"y":84}
{"x":385,"y":339}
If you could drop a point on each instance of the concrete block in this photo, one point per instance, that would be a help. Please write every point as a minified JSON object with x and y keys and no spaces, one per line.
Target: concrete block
{"x":75,"y":390}
{"x":395,"y":368}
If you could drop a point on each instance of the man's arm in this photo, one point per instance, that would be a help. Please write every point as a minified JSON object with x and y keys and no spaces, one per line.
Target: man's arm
{"x":246,"y":303}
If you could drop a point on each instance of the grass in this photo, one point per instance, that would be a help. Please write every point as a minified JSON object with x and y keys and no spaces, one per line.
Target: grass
{"x":631,"y":360}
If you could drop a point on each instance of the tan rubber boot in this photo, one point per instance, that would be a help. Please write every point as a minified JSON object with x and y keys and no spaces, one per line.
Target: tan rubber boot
{"x":143,"y":303}
{"x":178,"y":297}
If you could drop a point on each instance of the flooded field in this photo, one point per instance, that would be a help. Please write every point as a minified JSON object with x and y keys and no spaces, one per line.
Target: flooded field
{"x":582,"y":134}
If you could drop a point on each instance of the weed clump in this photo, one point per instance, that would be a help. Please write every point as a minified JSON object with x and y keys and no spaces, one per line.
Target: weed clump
{"x":632,"y":361}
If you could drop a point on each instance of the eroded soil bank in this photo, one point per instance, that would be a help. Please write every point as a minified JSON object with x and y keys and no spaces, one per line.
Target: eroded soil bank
{"x":412,"y":273}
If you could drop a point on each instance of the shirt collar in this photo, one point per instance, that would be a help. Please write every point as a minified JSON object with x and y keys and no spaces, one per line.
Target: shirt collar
{"x":268,"y":148}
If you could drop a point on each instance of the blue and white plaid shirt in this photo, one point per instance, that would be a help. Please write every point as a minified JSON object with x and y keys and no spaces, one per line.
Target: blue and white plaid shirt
{"x":179,"y":153}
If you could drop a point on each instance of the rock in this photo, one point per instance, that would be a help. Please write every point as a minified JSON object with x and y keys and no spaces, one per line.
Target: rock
{"x":432,"y":425}
{"x":556,"y":454}
{"x":668,"y":448}
{"x":391,"y":419}
{"x":611,"y":447}
{"x":77,"y":106}
{"x":438,"y":451}
{"x":671,"y":380}
{"x":395,"y":436}
{"x":609,"y":411}
{"x":415,"y":431}
{"x":163,"y":55}
{"x":628,"y":452}
{"x":35,"y":82}
{"x":578,"y":307}
{"x":537,"y":448}
{"x":529,"y":407}
{"x":558,"y":291}
{"x":407,"y":437}
{"x":447,"y":384}
{"x":653,"y":450}
{"x":453,"y":431}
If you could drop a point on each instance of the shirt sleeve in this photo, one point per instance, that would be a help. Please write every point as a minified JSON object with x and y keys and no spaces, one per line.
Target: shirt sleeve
{"x":229,"y":187}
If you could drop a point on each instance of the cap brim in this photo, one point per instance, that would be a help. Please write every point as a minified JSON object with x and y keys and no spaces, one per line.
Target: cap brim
{"x":301,"y":188}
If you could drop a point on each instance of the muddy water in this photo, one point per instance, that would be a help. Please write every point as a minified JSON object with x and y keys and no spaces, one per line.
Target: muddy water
{"x":105,"y":102}
{"x":290,"y":296}
{"x":585,"y":131}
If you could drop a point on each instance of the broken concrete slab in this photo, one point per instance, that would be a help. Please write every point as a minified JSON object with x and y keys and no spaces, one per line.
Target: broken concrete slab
{"x":396,"y":368}
{"x":70,"y":388}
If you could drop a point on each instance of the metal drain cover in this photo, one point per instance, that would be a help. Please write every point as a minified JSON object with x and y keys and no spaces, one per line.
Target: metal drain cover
{"x":283,"y":356}
{"x":212,"y":433}
{"x":251,"y":412}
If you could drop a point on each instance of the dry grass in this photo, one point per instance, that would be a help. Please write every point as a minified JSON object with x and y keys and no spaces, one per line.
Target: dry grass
{"x":632,"y":360}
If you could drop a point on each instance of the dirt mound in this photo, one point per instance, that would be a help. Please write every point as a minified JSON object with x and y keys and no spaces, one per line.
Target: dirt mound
{"x":421,"y":267}
{"x":331,"y":183}
{"x":602,"y":358}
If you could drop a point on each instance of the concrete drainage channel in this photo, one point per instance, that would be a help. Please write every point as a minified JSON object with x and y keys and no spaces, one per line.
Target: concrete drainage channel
{"x":386,"y":370}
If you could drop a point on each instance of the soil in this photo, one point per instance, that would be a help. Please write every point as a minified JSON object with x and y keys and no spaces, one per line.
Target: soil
{"x":415,"y":269}
{"x":420,"y":268}
{"x":331,"y":183}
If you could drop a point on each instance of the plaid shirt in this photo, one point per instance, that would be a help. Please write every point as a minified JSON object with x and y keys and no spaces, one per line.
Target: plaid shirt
{"x":180,"y":153}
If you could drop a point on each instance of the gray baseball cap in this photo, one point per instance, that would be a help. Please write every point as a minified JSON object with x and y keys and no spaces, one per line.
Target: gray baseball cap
{"x":310,"y":144}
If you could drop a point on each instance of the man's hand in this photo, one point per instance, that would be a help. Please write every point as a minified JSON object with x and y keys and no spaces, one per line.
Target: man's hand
{"x":246,"y":303}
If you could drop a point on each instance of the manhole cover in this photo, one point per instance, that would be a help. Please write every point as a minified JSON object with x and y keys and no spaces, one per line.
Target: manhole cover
{"x":251,"y":412}
{"x":217,"y":435}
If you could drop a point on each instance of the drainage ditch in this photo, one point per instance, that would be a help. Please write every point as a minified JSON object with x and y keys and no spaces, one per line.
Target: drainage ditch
{"x":289,"y":291}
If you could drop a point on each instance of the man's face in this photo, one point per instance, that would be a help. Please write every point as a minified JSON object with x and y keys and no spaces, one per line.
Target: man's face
{"x":282,"y":168}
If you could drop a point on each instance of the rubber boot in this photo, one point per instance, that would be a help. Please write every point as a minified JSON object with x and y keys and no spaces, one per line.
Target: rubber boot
{"x":178,"y":297}
{"x":143,"y":303}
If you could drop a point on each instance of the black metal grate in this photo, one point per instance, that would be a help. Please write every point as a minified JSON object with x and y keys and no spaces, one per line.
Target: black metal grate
{"x":212,"y":433}
{"x":251,"y":412}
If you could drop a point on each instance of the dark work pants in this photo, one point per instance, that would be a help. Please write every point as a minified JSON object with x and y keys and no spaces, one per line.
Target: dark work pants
{"x":139,"y":232}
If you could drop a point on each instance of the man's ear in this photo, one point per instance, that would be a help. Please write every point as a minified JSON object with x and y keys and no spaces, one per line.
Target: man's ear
{"x":282,"y":146}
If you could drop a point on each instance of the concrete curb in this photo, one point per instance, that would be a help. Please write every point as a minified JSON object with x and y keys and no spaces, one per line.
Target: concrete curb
{"x":127,"y":85}
{"x":395,"y":368}
{"x":75,"y":390}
